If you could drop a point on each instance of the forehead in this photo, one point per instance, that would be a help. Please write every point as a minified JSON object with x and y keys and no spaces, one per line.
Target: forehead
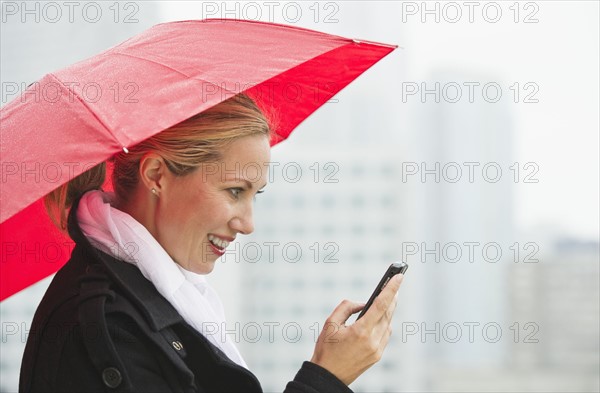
{"x":248,"y":149}
{"x":244,"y":159}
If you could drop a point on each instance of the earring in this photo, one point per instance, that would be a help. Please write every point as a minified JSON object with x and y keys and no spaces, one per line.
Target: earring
{"x":154,"y":191}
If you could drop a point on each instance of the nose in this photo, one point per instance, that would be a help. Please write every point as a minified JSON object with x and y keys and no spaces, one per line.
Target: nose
{"x":243,"y":221}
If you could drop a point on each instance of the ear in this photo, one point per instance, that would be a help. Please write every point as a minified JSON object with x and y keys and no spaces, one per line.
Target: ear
{"x":152,"y":171}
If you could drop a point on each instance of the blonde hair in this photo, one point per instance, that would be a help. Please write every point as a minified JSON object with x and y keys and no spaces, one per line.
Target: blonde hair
{"x":184,"y":147}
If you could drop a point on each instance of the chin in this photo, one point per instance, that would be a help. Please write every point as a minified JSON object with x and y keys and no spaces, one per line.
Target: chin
{"x":204,"y":267}
{"x":209,"y":267}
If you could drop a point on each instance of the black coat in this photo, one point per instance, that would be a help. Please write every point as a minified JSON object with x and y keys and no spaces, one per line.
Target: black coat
{"x":103,"y":327}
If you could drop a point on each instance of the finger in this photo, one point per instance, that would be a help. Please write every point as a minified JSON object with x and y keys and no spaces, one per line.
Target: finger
{"x":386,"y":320}
{"x":383,"y":301}
{"x":343,"y":311}
{"x":385,"y":339}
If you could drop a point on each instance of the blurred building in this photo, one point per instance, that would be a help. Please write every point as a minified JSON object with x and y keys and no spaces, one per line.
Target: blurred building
{"x":465,"y":221}
{"x":562,"y":294}
{"x":554,"y":340}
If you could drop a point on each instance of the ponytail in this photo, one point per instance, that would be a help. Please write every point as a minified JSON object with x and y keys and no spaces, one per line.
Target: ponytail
{"x":59,"y":201}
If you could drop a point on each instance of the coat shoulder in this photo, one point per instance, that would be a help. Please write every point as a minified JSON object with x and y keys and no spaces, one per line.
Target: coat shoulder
{"x":102,"y":326}
{"x":87,"y":335}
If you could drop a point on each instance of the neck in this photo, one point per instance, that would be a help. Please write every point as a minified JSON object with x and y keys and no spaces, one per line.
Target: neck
{"x":141,"y":208}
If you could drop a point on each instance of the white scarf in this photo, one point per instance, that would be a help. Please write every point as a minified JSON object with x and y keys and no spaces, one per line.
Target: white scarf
{"x":117,"y":233}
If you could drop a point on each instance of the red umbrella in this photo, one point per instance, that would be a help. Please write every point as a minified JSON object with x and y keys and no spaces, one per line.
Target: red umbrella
{"x":80,"y":116}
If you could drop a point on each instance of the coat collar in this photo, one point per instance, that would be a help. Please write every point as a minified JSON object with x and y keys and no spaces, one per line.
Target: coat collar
{"x":156,"y":309}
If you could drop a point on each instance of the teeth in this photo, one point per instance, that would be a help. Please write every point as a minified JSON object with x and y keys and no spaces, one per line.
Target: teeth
{"x":218,"y":242}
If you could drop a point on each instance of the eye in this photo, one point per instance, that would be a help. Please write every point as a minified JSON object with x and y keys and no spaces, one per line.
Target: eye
{"x":235,"y":192}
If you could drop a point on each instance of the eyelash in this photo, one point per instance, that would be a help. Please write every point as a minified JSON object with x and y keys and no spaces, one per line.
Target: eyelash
{"x":239,"y":190}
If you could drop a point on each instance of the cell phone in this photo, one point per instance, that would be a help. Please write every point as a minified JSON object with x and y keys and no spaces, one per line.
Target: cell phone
{"x":395,"y":268}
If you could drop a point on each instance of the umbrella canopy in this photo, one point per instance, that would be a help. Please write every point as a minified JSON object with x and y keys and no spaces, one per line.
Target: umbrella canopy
{"x":80,"y":116}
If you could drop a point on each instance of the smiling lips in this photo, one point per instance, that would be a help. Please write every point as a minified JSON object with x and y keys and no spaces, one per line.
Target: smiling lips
{"x":218,"y":244}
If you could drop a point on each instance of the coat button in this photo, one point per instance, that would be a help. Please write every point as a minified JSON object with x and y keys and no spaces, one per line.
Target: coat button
{"x":177,"y":345}
{"x":111,"y":377}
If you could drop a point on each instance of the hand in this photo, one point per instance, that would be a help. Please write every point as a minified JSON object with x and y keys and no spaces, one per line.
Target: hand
{"x":348,"y":351}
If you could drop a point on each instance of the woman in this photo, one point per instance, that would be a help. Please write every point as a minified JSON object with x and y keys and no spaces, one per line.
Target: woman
{"x":130,"y":310}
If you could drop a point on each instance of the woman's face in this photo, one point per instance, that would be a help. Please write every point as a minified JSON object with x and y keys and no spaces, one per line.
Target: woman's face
{"x":199,"y":214}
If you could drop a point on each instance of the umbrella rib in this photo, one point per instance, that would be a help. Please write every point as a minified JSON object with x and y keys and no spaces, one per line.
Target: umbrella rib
{"x":177,"y":71}
{"x":154,"y":62}
{"x":85,"y":105}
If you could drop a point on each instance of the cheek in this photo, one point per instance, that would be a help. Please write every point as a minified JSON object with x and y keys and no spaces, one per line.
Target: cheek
{"x":182,"y":230}
{"x":214,"y":212}
{"x":177,"y":215}
{"x":202,"y":211}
